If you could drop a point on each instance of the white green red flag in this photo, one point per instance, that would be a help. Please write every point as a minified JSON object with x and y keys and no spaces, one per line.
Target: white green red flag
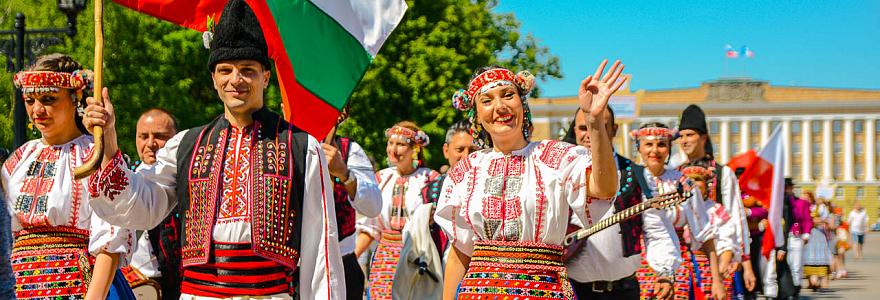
{"x":321,"y":48}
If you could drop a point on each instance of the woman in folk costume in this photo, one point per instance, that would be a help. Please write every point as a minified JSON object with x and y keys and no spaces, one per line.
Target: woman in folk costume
{"x":697,"y":221}
{"x":401,"y":186}
{"x":817,"y":253}
{"x":506,"y":208}
{"x":61,"y":250}
{"x":701,"y":173}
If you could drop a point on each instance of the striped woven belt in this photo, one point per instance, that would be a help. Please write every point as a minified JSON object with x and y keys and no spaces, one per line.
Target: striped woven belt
{"x":528,"y":255}
{"x":55,"y":237}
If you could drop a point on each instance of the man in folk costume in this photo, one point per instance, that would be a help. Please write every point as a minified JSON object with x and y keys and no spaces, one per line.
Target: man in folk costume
{"x":253,"y":192}
{"x":604,"y":266}
{"x":355,"y":192}
{"x":723,"y":188}
{"x":796,"y":227}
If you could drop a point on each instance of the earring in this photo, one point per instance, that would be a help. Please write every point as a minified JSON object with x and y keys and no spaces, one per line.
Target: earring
{"x":415,"y":158}
{"x":32,"y":128}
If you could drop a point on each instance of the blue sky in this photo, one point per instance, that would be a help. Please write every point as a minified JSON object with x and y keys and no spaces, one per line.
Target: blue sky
{"x":675,"y":44}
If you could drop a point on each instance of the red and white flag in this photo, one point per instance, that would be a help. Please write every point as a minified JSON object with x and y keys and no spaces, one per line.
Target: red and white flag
{"x":764,"y":179}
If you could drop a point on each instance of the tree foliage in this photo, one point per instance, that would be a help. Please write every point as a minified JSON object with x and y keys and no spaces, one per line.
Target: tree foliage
{"x":151,"y":63}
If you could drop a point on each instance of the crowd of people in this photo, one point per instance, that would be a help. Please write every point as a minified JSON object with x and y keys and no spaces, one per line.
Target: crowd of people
{"x":250,"y":207}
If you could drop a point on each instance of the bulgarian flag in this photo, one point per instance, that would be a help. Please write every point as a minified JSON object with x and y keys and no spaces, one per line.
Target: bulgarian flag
{"x":764,"y":179}
{"x":321,"y":48}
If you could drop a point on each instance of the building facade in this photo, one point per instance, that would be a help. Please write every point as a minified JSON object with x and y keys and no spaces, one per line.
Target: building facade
{"x":831,"y":136}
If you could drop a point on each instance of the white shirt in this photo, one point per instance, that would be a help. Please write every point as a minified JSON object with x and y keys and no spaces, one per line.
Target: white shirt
{"x":858,"y":221}
{"x":49,"y":196}
{"x":523,"y":196}
{"x":368,"y":201}
{"x":389,"y":181}
{"x":143,"y":259}
{"x":601,"y":258}
{"x":150,"y":195}
{"x":738,"y":227}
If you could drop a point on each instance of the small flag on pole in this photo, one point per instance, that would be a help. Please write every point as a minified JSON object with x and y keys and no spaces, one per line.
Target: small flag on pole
{"x":730,"y":52}
{"x":746,"y":52}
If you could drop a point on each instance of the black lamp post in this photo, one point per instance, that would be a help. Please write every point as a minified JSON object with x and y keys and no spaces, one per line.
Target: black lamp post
{"x":25,"y":43}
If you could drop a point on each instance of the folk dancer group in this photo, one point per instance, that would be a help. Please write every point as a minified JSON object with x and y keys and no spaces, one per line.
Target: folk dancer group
{"x":249,"y":206}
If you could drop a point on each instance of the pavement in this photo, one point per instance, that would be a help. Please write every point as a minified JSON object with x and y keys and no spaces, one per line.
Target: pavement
{"x":863,"y":280}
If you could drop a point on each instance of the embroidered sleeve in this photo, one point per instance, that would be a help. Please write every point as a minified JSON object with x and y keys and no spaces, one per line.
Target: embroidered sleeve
{"x":110,"y":181}
{"x":109,"y":238}
{"x":136,"y":200}
{"x":452,"y":207}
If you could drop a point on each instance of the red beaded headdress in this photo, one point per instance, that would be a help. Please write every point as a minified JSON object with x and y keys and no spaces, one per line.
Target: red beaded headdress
{"x":524,"y":80}
{"x":47,"y":81}
{"x":652,"y":133}
{"x":420,"y":138}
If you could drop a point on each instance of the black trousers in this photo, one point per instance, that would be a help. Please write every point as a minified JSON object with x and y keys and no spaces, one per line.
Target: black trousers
{"x":354,"y":277}
{"x":621,"y":289}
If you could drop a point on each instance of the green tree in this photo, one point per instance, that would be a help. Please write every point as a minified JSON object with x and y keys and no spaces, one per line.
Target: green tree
{"x":430,"y":55}
{"x":433,"y":52}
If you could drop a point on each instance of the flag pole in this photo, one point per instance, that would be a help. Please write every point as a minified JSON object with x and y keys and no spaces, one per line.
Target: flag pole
{"x":91,"y":164}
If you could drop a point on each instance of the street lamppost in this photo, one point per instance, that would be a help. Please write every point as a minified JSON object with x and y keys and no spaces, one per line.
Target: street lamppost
{"x":28,"y":43}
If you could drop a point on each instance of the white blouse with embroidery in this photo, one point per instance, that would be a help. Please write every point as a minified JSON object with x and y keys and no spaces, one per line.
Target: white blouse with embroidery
{"x":397,"y":192}
{"x":38,"y":184}
{"x":523,"y":196}
{"x":701,"y":216}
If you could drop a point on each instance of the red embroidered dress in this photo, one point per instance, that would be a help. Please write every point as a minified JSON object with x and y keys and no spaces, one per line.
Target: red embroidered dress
{"x":510,"y":214}
{"x":54,"y":228}
{"x":401,"y":196}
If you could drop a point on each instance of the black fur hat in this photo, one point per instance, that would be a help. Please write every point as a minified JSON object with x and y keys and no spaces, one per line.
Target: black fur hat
{"x":693,"y":118}
{"x":238,"y":36}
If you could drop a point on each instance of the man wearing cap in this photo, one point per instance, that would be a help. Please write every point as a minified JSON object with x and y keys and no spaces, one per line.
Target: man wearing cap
{"x":723,"y":188}
{"x":253,"y":192}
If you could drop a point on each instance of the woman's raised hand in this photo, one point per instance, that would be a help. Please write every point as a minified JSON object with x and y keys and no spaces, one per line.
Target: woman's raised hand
{"x":596,"y":89}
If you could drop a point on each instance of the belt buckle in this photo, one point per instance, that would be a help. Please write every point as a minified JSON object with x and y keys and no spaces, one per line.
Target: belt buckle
{"x":608,"y":286}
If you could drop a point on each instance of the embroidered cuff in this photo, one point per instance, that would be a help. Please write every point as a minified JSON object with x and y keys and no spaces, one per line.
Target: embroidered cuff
{"x":110,"y":181}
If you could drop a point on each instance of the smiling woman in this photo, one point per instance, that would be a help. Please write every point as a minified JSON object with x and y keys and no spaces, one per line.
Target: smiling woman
{"x":510,"y":204}
{"x":51,"y":208}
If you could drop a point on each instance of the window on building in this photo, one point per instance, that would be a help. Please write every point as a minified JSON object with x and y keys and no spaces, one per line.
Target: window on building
{"x":755,"y":127}
{"x":859,"y":126}
{"x":838,"y":171}
{"x":817,"y":126}
{"x":755,"y":145}
{"x":838,"y":192}
{"x":734,"y":127}
{"x":837,"y":148}
{"x":835,"y":126}
{"x":796,"y":170}
{"x":773,"y":125}
{"x":859,"y":147}
{"x":817,"y":148}
{"x":795,"y":127}
{"x":734,"y":148}
{"x":713,"y":127}
{"x":860,"y":193}
{"x":817,"y":171}
{"x":860,"y":170}
{"x":796,"y":148}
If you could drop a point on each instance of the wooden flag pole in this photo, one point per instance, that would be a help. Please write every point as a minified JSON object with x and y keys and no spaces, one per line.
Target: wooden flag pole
{"x":92,"y":163}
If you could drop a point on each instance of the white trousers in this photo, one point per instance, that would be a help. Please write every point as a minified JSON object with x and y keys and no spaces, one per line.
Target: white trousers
{"x":795,"y":258}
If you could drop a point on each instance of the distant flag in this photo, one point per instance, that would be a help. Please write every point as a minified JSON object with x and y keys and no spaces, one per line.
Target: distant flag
{"x":747,"y":52}
{"x":730,"y":52}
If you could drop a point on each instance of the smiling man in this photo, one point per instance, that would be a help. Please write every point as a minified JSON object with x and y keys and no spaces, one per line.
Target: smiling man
{"x":253,"y":192}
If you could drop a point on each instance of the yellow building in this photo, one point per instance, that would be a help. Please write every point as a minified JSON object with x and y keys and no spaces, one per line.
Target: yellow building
{"x":831,"y":135}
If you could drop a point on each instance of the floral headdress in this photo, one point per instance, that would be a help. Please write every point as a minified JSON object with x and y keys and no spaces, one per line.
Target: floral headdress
{"x":697,"y":172}
{"x":418,"y":139}
{"x":463,"y":100}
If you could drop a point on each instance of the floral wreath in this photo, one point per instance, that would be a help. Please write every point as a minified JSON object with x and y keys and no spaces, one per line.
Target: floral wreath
{"x":463,"y":100}
{"x":419,"y":138}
